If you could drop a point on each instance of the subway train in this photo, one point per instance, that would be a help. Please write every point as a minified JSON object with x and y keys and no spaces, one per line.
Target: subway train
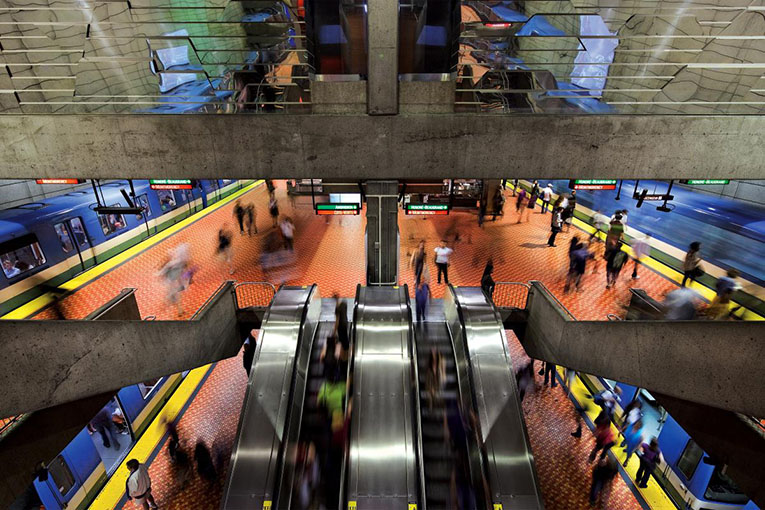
{"x":77,"y":474}
{"x":47,"y":242}
{"x":687,"y":474}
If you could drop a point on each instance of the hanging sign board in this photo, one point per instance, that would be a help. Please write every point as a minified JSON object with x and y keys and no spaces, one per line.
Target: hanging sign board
{"x":59,"y":181}
{"x":704,"y":182}
{"x":592,"y":184}
{"x":427,"y":209}
{"x":337,"y":209}
{"x":170,"y":183}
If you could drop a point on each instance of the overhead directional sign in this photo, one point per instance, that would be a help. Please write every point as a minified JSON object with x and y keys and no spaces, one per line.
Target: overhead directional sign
{"x":592,"y":184}
{"x":427,"y":209}
{"x":59,"y":181}
{"x":170,"y":183}
{"x":704,"y":182}
{"x":337,"y":209}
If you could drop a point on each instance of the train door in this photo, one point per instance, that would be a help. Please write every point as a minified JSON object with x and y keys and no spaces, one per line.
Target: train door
{"x":78,"y":241}
{"x":60,"y":481}
{"x":110,"y":433}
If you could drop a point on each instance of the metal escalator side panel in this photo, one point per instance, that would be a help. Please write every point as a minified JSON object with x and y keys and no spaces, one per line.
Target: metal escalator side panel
{"x":254,"y":460}
{"x":510,"y":463}
{"x":416,"y":403}
{"x":382,"y":470}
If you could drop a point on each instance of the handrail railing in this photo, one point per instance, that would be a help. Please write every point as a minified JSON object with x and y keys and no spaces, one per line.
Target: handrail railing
{"x":150,"y":318}
{"x":348,"y":392}
{"x":613,"y":317}
{"x":254,"y":294}
{"x":7,"y":423}
{"x":554,"y":298}
{"x":417,"y":402}
{"x":209,"y":300}
{"x":510,"y":294}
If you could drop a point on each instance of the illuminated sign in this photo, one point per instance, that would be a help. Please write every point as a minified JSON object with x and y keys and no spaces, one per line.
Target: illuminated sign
{"x":703,"y":182}
{"x":656,"y":196}
{"x":170,"y":183}
{"x":59,"y":181}
{"x":427,"y":209}
{"x":592,"y":184}
{"x":337,"y":209}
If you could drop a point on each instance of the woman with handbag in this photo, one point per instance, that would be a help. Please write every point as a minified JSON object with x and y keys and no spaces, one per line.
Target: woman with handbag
{"x":692,"y":268}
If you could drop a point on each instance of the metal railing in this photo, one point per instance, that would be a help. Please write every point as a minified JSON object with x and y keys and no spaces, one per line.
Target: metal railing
{"x":6,"y":424}
{"x":511,"y":294}
{"x":557,"y":301}
{"x":257,"y":294}
{"x":613,"y":317}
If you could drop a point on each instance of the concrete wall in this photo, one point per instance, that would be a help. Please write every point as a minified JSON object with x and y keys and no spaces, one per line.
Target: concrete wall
{"x":707,"y":362}
{"x":46,"y":363}
{"x":745,"y":190}
{"x":15,"y":192}
{"x":430,"y":146}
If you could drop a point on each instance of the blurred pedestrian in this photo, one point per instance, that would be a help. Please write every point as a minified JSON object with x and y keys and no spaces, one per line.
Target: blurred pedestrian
{"x":632,"y":413}
{"x":578,"y":266}
{"x":615,"y":230}
{"x":487,"y":282}
{"x":681,"y":304}
{"x":641,"y":248}
{"x":443,"y":256}
{"x":481,"y":212}
{"x":248,"y":350}
{"x":435,"y":378}
{"x":103,"y":424}
{"x":601,"y":223}
{"x":273,"y":210}
{"x":568,"y":212}
{"x":547,"y":193}
{"x":270,"y":186}
{"x":204,"y":462}
{"x":650,"y":458}
{"x":551,"y":369}
{"x":138,"y":485}
{"x":341,"y":327}
{"x":602,"y":477}
{"x":523,"y":205}
{"x":555,"y":226}
{"x":252,"y":219}
{"x":727,"y":285}
{"x":604,"y":439}
{"x":422,"y":299}
{"x":288,"y":233}
{"x":692,"y":268}
{"x":499,"y":204}
{"x":177,"y":276}
{"x":239,"y":214}
{"x":417,"y":261}
{"x":179,"y":459}
{"x":525,"y":379}
{"x":633,"y":438}
{"x":615,"y":260}
{"x":519,"y":201}
{"x":224,"y":249}
{"x":608,"y":399}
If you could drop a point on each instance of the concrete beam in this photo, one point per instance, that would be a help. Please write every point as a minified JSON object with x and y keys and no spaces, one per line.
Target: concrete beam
{"x":430,"y":146}
{"x":706,"y":362}
{"x":46,"y":363}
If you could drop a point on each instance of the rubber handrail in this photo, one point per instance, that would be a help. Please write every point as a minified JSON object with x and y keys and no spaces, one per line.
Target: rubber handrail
{"x":351,"y":356}
{"x":417,"y":403}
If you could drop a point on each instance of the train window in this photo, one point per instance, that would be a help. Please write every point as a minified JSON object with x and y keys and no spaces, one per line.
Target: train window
{"x":689,"y":459}
{"x":225,"y":182}
{"x":20,"y":255}
{"x":78,"y":229}
{"x":61,"y":475}
{"x":63,"y":236}
{"x":110,"y":223}
{"x":148,"y":386}
{"x":142,"y":201}
{"x":722,"y":488}
{"x":166,"y":199}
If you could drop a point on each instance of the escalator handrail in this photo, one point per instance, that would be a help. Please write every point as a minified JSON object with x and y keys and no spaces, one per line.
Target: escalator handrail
{"x":417,"y":404}
{"x":349,"y":391}
{"x":286,"y":441}
{"x":478,"y":473}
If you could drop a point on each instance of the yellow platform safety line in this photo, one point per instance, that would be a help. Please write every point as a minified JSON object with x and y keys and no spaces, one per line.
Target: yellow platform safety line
{"x":667,"y":271}
{"x":653,"y":495}
{"x":78,"y":281}
{"x":114,"y":489}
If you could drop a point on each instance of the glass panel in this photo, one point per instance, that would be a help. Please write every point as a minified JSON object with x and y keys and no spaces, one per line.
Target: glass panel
{"x":21,"y":256}
{"x":147,"y":387}
{"x":61,"y":475}
{"x":690,"y":458}
{"x":428,"y":38}
{"x":166,"y":199}
{"x":337,"y":36}
{"x":111,"y":223}
{"x":142,"y":201}
{"x":63,"y":237}
{"x":79,"y":231}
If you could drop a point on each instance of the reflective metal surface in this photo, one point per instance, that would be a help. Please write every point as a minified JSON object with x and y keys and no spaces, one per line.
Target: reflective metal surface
{"x":292,"y":317}
{"x":509,"y":463}
{"x":382,"y":469}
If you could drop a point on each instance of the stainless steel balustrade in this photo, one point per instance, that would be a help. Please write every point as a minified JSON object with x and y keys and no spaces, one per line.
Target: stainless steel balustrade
{"x":483,"y":359}
{"x":277,"y":376}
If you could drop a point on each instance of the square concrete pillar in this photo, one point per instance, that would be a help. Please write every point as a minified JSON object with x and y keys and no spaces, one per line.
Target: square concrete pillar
{"x":382,"y":67}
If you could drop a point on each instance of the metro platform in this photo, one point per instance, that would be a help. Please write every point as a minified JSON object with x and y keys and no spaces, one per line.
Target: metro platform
{"x":322,"y":247}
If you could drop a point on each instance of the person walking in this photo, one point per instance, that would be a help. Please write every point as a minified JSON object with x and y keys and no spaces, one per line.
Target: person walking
{"x":555,"y":226}
{"x":288,"y":233}
{"x":520,"y":198}
{"x":443,"y":254}
{"x":601,"y":223}
{"x":648,"y":461}
{"x":525,"y":379}
{"x":633,"y":438}
{"x":602,"y":477}
{"x":103,"y":424}
{"x":252,"y":219}
{"x":604,"y":439}
{"x":487,"y":282}
{"x":692,"y":267}
{"x":615,"y":230}
{"x":578,"y":266}
{"x":239,"y":213}
{"x":422,"y":298}
{"x":138,"y":485}
{"x":417,"y":261}
{"x":205,"y":467}
{"x":499,"y":204}
{"x":640,"y":250}
{"x":568,"y":212}
{"x":224,"y":249}
{"x":615,"y":259}
{"x":551,"y":369}
{"x":547,"y":193}
{"x":273,"y":210}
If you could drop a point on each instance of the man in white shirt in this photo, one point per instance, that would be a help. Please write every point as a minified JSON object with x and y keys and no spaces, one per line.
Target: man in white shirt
{"x":547,"y":192}
{"x":640,"y":249}
{"x":138,"y":485}
{"x":443,"y":253}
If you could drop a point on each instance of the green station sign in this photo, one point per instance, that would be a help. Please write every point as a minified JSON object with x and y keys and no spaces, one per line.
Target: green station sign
{"x":705,"y":182}
{"x":427,"y":209}
{"x":337,"y":208}
{"x":593,"y":184}
{"x":170,"y":183}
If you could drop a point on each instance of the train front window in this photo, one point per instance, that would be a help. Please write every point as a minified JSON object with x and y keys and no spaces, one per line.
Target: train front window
{"x":722,"y":488}
{"x":166,"y":199}
{"x":21,"y":255}
{"x":111,"y":223}
{"x":142,"y":201}
{"x":61,"y":475}
{"x":690,"y":459}
{"x":63,"y":237}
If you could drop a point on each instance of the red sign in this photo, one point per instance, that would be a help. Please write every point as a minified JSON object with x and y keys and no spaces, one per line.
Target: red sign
{"x":595,"y":186}
{"x":59,"y":181}
{"x":337,"y":212}
{"x":170,"y":186}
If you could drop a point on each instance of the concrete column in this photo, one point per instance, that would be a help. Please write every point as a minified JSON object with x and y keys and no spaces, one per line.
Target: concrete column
{"x":382,"y":238}
{"x":382,"y":60}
